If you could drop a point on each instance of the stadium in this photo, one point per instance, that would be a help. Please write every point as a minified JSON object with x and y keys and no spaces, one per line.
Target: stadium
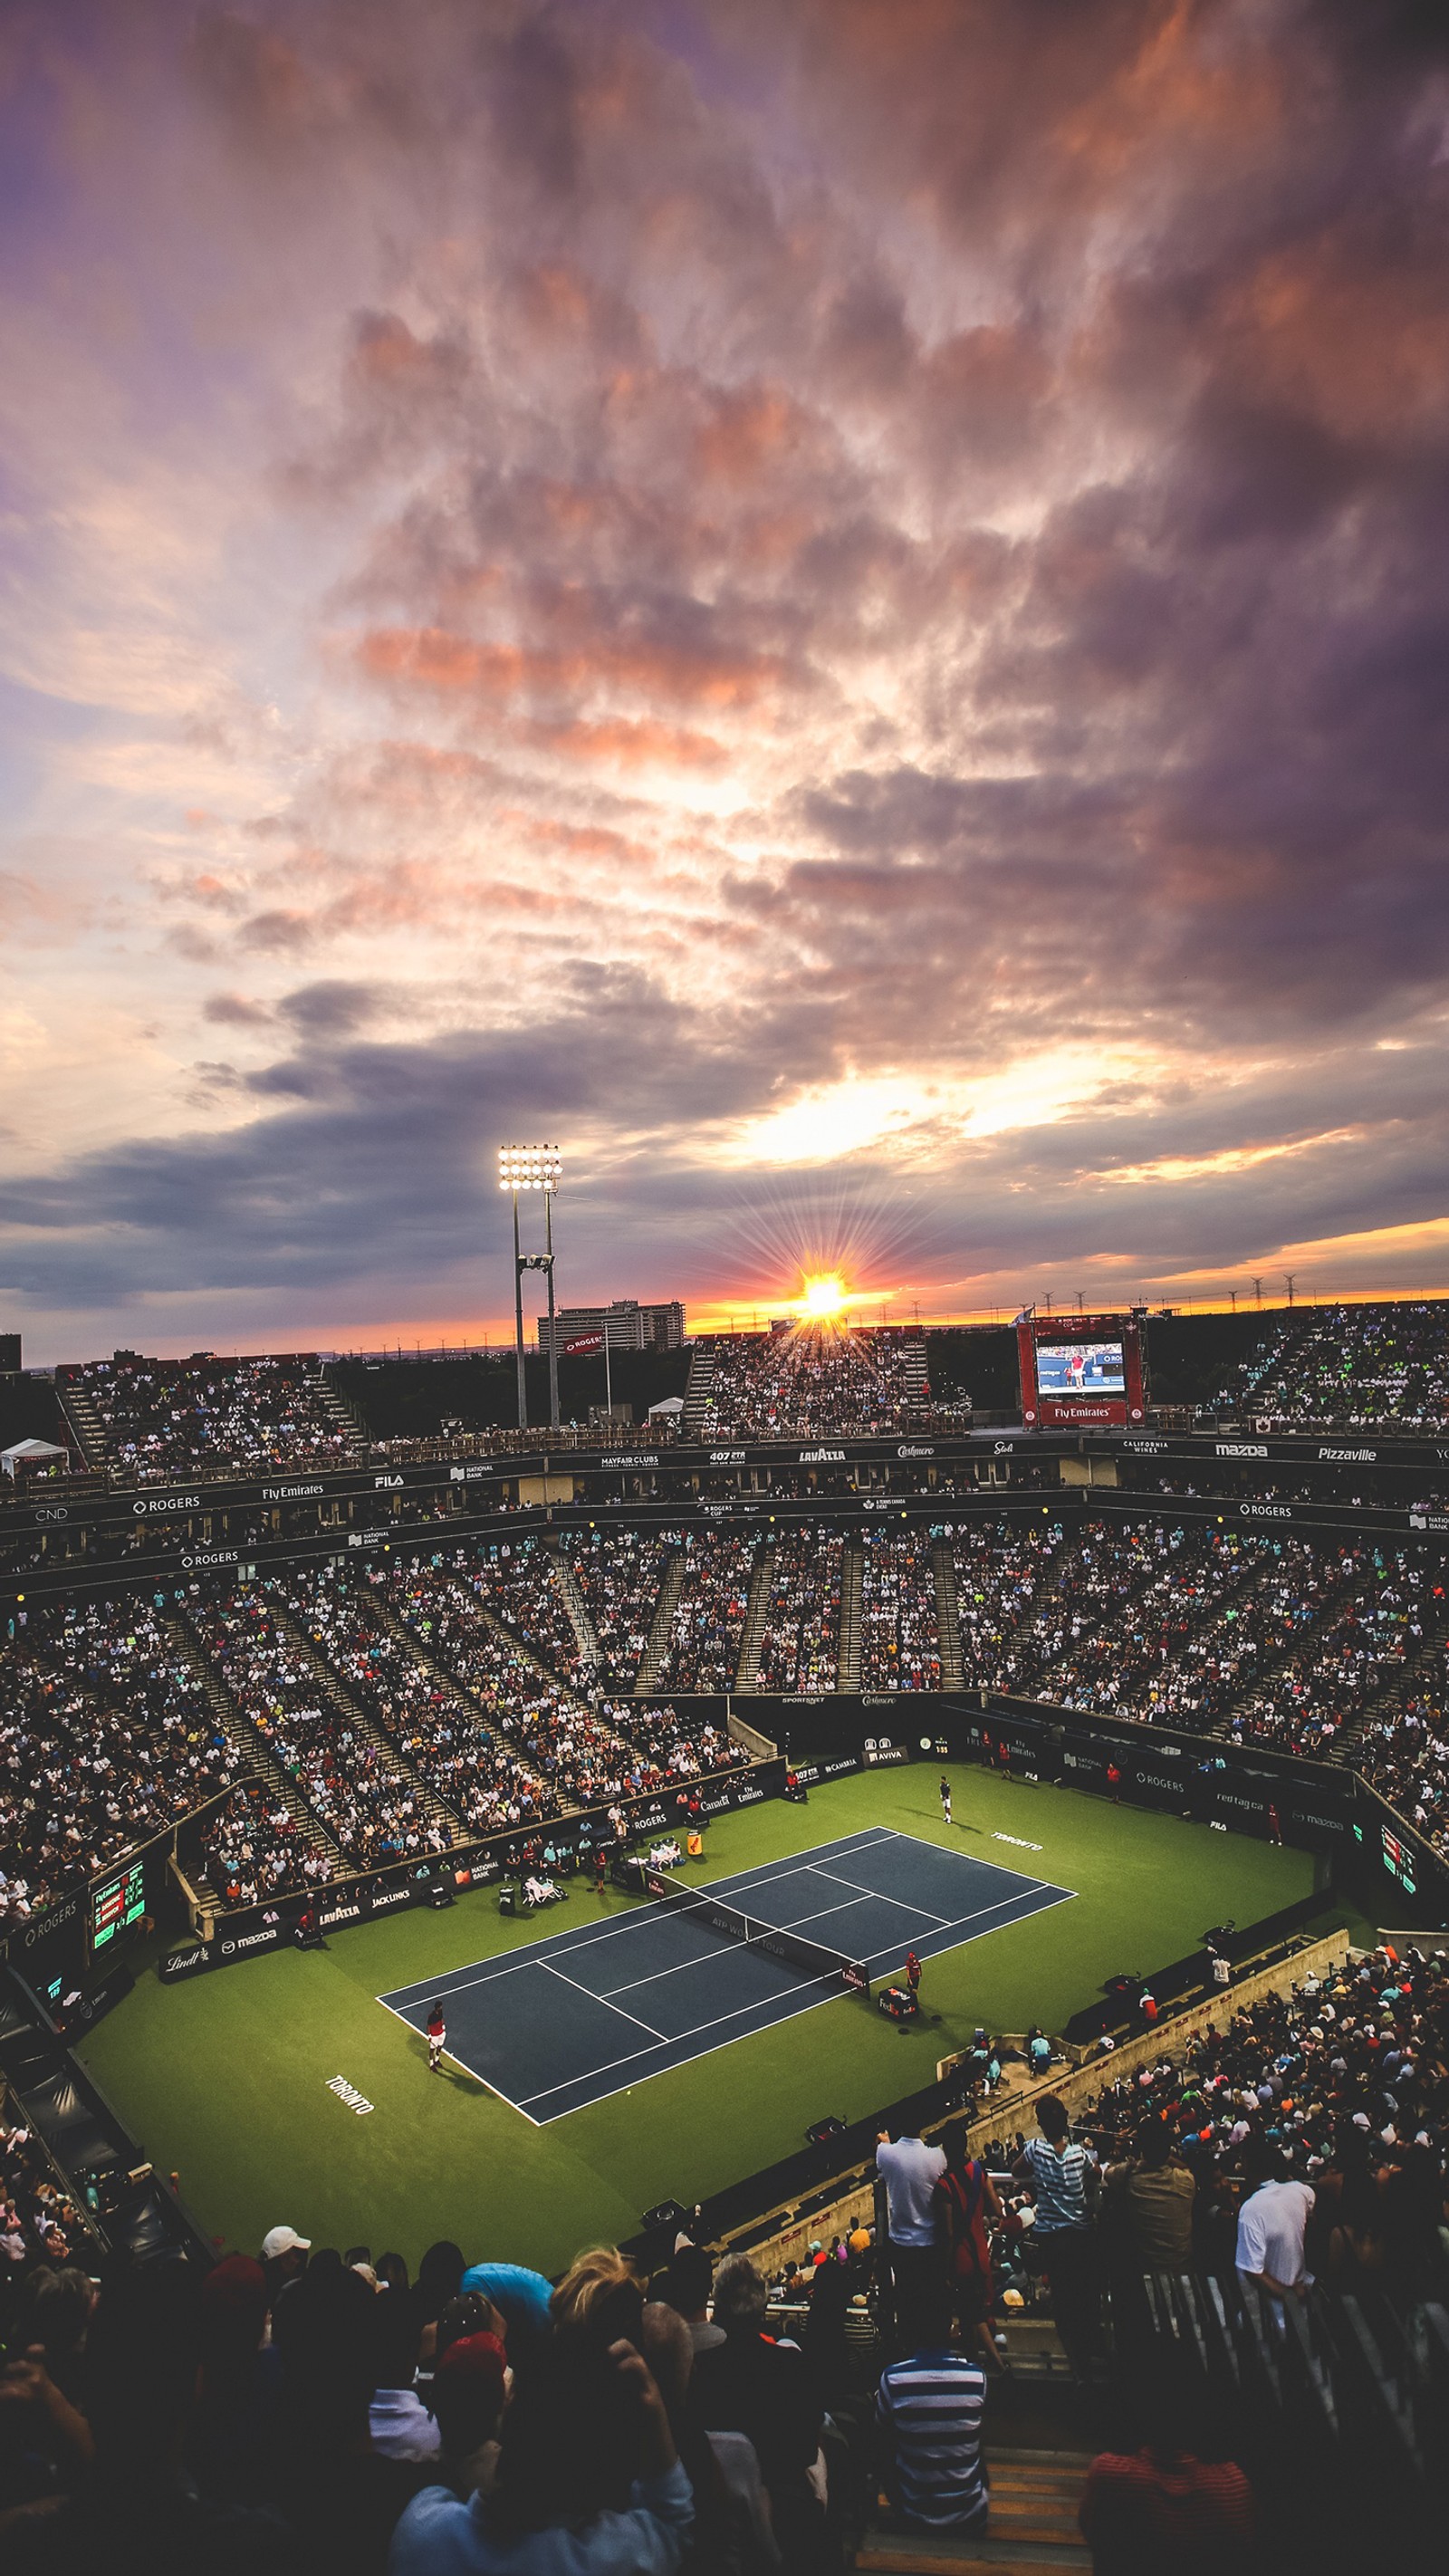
{"x":652,"y":1764}
{"x":724,"y":1288}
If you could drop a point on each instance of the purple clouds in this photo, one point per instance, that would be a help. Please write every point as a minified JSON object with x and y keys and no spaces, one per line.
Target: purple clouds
{"x":852,"y":590}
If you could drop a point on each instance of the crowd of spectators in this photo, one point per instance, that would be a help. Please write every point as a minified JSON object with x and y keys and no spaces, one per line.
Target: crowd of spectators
{"x":1002,"y":1572}
{"x":437,"y":1728}
{"x":900,"y":1640}
{"x":1152,"y":1592}
{"x":816,"y":1380}
{"x":309,"y":2406}
{"x":571,"y":1746}
{"x":1405,"y":1753}
{"x":619,"y":1573}
{"x":519,"y":1582}
{"x":1349,"y":1368}
{"x":203,"y":1415}
{"x":707,"y":1628}
{"x":106,"y":1738}
{"x":373,"y":1809}
{"x":1374,"y":1632}
{"x":800,"y":1643}
{"x":253,"y":1848}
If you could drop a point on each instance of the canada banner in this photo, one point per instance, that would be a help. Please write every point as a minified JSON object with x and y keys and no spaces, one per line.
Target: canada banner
{"x":582,"y":1344}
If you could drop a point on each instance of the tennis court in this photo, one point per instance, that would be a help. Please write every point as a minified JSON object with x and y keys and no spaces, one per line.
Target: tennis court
{"x":592,"y":2010}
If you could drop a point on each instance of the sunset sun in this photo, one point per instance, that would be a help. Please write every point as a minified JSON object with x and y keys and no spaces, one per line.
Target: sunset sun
{"x":824,"y":1297}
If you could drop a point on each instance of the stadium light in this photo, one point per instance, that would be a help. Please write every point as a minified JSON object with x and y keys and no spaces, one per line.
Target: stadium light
{"x":532,"y":1167}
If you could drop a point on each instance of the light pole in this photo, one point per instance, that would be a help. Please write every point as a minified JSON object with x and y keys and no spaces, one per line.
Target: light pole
{"x":532,"y":1167}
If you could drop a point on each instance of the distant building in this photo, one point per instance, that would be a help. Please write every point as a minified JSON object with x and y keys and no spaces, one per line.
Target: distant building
{"x":9,"y":1354}
{"x":630,"y":1326}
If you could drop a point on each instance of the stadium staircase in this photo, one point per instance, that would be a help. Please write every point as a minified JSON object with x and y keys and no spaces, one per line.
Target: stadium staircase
{"x":82,"y":1420}
{"x":918,"y":1384}
{"x":651,"y":1662}
{"x":852,"y":1568}
{"x":436,"y":1809}
{"x":1035,"y":2495}
{"x":234,"y":1722}
{"x":752,"y":1638}
{"x":948,"y":1616}
{"x":341,"y":1412}
{"x":578,"y":1610}
{"x":697,"y":1386}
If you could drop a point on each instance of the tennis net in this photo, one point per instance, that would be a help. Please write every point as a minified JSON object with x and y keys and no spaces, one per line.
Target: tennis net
{"x":713,"y":1915}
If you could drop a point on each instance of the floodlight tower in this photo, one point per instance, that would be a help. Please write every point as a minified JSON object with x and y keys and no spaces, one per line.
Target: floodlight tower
{"x":532,"y":1167}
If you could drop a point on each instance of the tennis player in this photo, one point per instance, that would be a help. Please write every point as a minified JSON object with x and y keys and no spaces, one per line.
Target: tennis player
{"x":437,"y":2033}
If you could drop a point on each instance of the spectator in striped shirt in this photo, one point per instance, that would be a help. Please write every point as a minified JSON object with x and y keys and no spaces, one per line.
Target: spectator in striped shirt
{"x":928,"y":2413}
{"x":1063,"y":2183}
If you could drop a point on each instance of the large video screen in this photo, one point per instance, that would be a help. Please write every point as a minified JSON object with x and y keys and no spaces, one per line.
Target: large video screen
{"x":1080,"y":1368}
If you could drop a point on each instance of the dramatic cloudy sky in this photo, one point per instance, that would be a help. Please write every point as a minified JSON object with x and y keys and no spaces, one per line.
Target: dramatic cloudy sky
{"x":840,"y":604}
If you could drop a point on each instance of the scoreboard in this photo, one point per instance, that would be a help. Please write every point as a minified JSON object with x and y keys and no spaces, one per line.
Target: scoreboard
{"x":1398,"y":1861}
{"x":117,"y":1903}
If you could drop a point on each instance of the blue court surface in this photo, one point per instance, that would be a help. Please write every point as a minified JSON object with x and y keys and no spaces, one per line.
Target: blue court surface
{"x":567,"y":2021}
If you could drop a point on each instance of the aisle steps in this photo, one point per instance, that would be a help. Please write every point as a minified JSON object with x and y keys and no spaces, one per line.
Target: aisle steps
{"x":651,"y":1662}
{"x":578,"y":1610}
{"x":697,"y":1386}
{"x":948,"y":1616}
{"x":1035,"y":2497}
{"x":852,"y":1567}
{"x":748,"y":1675}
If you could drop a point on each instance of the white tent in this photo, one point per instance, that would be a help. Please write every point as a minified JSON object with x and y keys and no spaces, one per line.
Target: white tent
{"x":24,"y":1454}
{"x":669,"y":1411}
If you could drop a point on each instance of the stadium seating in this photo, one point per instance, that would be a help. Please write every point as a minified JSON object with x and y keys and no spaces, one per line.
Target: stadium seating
{"x":1348,"y":1368}
{"x":372,"y":1807}
{"x":1405,"y":1753}
{"x":900,"y":1646}
{"x":106,"y":1738}
{"x":518,"y":1580}
{"x":207,"y":1416}
{"x":436,"y":1727}
{"x":1378,"y":1604}
{"x":800,"y":1650}
{"x":708,"y":1622}
{"x":814,"y":1381}
{"x":618,"y":1574}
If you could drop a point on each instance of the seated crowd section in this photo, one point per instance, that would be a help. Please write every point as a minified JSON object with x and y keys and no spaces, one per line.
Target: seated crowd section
{"x":619,"y":1574}
{"x":1347,"y":1368}
{"x":707,"y":1628}
{"x":411,"y":1704}
{"x":106,"y":1739}
{"x":211,"y":1416}
{"x":302,"y":2407}
{"x":900,"y":1643}
{"x":815,"y":1379}
{"x":800,"y":1646}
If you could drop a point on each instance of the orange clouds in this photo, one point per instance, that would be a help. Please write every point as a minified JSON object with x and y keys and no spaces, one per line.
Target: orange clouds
{"x":450,"y":665}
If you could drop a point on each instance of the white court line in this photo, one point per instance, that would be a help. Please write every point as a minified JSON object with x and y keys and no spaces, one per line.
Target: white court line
{"x":716,"y":2022}
{"x":907,"y":1903}
{"x":551,"y":1971}
{"x":1062,"y":1896}
{"x":1059,"y":1897}
{"x":498,"y":2094}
